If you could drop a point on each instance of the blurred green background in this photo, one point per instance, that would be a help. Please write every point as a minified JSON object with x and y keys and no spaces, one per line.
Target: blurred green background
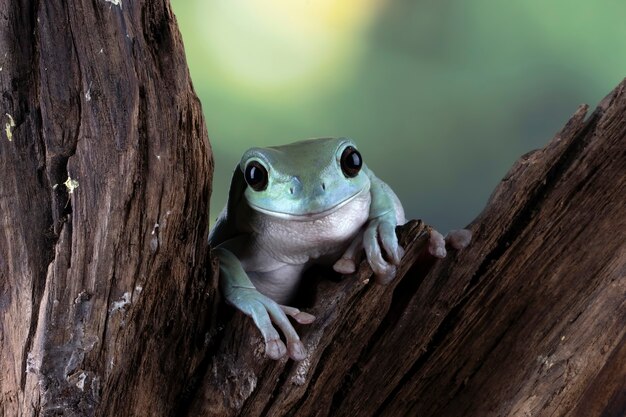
{"x":441,"y":96}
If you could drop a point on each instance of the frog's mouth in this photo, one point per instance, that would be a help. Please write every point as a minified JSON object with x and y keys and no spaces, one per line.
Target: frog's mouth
{"x":308,"y":216}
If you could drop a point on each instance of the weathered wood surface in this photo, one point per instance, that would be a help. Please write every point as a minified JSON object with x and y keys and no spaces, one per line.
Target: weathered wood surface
{"x":530,"y":320}
{"x":104,"y":293}
{"x":108,"y":305}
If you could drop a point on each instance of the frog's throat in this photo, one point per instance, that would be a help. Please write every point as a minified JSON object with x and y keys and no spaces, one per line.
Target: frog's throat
{"x":308,"y":216}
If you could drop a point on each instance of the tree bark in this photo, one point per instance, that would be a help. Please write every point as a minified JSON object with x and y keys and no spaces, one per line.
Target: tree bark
{"x":108,"y":299}
{"x":105,"y":295}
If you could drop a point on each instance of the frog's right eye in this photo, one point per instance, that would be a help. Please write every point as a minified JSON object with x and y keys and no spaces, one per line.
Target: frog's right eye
{"x":256,"y":176}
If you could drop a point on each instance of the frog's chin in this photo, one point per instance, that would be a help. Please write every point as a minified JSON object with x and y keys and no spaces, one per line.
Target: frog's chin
{"x":309,"y":215}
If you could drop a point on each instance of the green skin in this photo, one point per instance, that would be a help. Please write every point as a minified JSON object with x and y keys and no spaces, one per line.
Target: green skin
{"x":309,"y":213}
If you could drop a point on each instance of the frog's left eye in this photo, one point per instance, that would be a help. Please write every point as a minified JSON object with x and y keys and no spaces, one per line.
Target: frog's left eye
{"x":351,"y":162}
{"x":256,"y":176}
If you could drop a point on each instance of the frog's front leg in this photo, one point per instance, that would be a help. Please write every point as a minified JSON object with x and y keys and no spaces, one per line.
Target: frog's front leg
{"x":378,"y":236}
{"x":242,"y":294}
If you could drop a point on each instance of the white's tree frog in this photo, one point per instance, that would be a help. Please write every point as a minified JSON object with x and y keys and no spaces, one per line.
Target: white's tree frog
{"x":292,"y":206}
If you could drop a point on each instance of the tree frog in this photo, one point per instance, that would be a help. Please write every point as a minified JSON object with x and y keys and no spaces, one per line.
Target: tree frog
{"x":292,"y":206}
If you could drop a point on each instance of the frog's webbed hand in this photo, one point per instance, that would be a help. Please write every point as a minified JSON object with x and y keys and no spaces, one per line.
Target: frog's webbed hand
{"x":241,"y":294}
{"x":379,"y":235}
{"x":456,"y":239}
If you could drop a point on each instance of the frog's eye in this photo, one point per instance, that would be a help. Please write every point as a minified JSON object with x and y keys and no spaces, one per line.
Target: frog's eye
{"x":351,"y":162}
{"x":256,"y":176}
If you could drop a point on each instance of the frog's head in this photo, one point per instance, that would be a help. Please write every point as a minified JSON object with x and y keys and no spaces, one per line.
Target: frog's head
{"x":303,"y":180}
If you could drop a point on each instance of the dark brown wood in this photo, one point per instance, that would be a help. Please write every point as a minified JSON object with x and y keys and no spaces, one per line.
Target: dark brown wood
{"x":108,"y":302}
{"x":104,"y":292}
{"x":530,"y":320}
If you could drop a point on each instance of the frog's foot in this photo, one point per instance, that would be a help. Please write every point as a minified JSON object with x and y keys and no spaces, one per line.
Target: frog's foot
{"x":264,"y":311}
{"x":456,"y":239}
{"x":379,"y":235}
{"x":436,"y":244}
{"x":345,"y":265}
{"x":459,"y":239}
{"x":351,"y":257}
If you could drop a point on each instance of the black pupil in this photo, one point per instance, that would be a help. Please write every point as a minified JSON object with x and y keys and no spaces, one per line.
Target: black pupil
{"x":354,"y":160}
{"x":351,"y":161}
{"x":256,"y":176}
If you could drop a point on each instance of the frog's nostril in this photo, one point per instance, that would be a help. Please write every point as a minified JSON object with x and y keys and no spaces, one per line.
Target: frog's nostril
{"x":291,"y":190}
{"x":323,"y":186}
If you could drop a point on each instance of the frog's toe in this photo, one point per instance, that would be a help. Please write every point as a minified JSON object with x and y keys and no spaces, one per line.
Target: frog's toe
{"x":351,"y":257}
{"x":299,"y":316}
{"x":372,"y":250}
{"x":296,"y":350}
{"x":275,"y":349}
{"x":304,"y":318}
{"x":387,"y":276}
{"x":437,"y":244}
{"x":374,"y":255}
{"x":459,"y":239}
{"x":389,"y":241}
{"x":345,"y":266}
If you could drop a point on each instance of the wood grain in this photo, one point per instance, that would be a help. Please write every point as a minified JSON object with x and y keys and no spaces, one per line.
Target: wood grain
{"x":105,"y":293}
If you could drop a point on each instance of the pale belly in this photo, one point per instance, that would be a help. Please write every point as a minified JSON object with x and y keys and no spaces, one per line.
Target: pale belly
{"x":286,"y":248}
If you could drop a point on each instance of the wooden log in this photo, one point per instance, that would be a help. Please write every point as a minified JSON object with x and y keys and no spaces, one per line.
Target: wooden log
{"x":105,"y":294}
{"x":530,"y":320}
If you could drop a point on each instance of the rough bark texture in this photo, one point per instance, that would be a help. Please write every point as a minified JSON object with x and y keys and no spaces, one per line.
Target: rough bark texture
{"x":530,"y":320}
{"x":108,"y":306}
{"x":104,"y":294}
